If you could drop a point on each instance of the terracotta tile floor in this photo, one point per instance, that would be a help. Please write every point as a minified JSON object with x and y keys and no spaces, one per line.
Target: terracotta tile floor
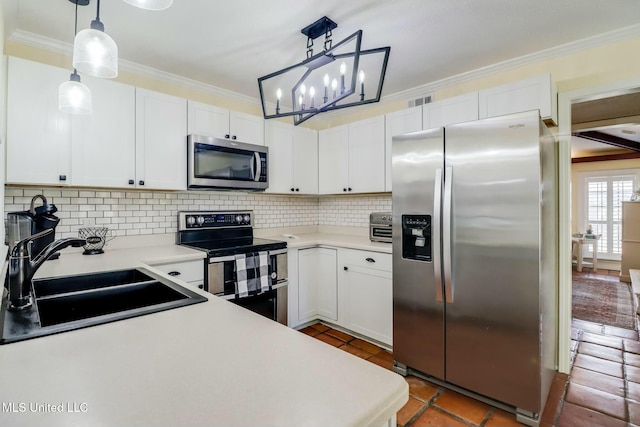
{"x":603,"y":388}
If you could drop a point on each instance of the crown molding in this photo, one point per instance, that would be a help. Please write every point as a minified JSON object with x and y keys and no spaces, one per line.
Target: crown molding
{"x":554,"y":52}
{"x":56,"y":46}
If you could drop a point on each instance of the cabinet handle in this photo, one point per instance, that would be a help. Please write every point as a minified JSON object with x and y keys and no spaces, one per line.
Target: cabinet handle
{"x":227,"y":136}
{"x":173,"y":273}
{"x":292,"y":189}
{"x":131,"y":182}
{"x":62,"y":177}
{"x":297,"y":189}
{"x":201,"y":286}
{"x":234,"y":137}
{"x":344,"y":189}
{"x":349,"y":188}
{"x":370,"y":260}
{"x":345,"y":268}
{"x":141,"y":182}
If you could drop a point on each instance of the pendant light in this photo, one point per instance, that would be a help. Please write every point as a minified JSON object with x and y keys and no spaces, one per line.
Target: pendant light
{"x":151,"y":4}
{"x":73,"y":96}
{"x":94,"y":52}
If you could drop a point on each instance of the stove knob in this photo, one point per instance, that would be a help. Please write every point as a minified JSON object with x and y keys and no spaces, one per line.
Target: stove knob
{"x":200,"y":220}
{"x":238,"y":219}
{"x":191,"y":220}
{"x":247,"y":219}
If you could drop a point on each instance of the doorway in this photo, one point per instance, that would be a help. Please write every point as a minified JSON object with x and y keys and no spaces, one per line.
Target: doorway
{"x":570,"y":103}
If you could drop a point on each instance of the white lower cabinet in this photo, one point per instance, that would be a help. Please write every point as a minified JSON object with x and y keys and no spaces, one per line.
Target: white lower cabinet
{"x":317,"y":285}
{"x":366,"y":293}
{"x":345,"y":287}
{"x":191,"y":272}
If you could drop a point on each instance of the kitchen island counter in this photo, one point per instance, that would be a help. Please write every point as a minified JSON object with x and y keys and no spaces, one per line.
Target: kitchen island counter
{"x":208,"y":364}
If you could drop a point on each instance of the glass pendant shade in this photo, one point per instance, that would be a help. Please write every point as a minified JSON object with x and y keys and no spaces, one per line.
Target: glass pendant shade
{"x":95,"y":53}
{"x":74,"y":97}
{"x":150,"y":4}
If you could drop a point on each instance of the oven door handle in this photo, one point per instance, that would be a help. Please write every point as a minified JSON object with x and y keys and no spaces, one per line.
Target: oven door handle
{"x":222,"y":259}
{"x":273,"y":288}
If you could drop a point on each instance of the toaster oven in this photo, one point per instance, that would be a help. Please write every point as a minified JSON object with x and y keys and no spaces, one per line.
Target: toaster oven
{"x":380,"y":227}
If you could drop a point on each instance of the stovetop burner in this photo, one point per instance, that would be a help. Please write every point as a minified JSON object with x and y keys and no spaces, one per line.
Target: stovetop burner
{"x":224,"y":247}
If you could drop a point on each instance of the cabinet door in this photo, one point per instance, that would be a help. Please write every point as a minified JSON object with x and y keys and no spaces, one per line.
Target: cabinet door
{"x":398,"y":123}
{"x":246,"y":128}
{"x":333,"y":160}
{"x":207,"y":120}
{"x":463,"y":108}
{"x":161,"y":154}
{"x":366,"y":294}
{"x":327,"y":283}
{"x":38,"y":134}
{"x":103,"y":143}
{"x":366,"y":156}
{"x":305,"y":160}
{"x":307,"y":288}
{"x":279,"y":139}
{"x":525,"y":95}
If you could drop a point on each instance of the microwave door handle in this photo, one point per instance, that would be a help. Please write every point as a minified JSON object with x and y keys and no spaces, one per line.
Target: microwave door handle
{"x":257,"y":166}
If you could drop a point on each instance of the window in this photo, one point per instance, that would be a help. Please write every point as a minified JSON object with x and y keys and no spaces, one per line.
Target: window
{"x":603,"y":194}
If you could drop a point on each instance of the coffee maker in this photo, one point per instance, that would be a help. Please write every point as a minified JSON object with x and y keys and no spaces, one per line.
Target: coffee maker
{"x":21,"y":225}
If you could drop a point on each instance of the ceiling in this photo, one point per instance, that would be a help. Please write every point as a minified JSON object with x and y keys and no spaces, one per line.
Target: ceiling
{"x":229,"y":44}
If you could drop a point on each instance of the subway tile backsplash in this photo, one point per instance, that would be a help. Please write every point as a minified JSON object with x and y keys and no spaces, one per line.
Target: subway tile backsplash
{"x":155,"y":212}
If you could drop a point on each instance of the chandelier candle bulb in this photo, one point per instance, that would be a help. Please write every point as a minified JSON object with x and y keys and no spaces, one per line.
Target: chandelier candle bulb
{"x":334,"y":85}
{"x":278,"y":95}
{"x":343,"y":70}
{"x":301,"y":102}
{"x":361,"y":75}
{"x":326,"y":88}
{"x":312,"y":93}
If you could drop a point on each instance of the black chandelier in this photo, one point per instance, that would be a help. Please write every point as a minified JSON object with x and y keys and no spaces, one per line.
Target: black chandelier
{"x":326,"y":81}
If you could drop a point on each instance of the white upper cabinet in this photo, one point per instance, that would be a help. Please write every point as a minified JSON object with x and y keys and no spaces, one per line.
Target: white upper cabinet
{"x":532,"y":94}
{"x":333,"y":160}
{"x":279,"y":139}
{"x":161,"y":141}
{"x":398,"y":123}
{"x":352,"y":158}
{"x":103,"y":143}
{"x":305,"y":160}
{"x":366,"y":155}
{"x":246,"y":127}
{"x":293,"y":158}
{"x":38,"y":134}
{"x":209,"y":120}
{"x":463,"y":108}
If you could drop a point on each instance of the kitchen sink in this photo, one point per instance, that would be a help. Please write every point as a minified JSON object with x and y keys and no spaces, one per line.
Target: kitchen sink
{"x":72,"y":302}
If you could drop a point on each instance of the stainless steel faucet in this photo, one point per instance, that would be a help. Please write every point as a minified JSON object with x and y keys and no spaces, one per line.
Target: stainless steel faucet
{"x":22,"y":267}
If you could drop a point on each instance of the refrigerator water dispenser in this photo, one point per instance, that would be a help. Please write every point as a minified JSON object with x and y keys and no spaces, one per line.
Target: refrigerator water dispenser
{"x":416,"y":237}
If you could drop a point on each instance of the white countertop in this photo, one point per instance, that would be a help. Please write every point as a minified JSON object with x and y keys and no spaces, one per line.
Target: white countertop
{"x":208,"y":364}
{"x":332,"y":239}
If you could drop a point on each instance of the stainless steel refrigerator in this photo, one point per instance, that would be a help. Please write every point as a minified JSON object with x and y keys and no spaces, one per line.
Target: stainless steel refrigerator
{"x":474,"y":259}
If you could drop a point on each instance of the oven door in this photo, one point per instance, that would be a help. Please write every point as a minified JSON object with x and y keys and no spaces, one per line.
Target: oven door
{"x":221,"y":163}
{"x":221,"y":281}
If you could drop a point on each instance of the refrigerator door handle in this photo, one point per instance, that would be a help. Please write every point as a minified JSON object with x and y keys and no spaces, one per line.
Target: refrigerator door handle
{"x":446,"y":235}
{"x":435,"y":232}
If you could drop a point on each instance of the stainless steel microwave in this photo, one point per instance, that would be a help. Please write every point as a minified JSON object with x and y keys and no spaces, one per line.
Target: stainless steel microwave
{"x":215,"y":163}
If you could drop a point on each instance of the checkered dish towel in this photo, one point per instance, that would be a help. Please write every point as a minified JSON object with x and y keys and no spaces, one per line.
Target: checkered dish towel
{"x":252,"y":272}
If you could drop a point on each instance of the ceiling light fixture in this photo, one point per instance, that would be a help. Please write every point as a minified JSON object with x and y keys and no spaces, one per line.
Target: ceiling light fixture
{"x":151,"y":4}
{"x":334,"y":72}
{"x":94,"y":52}
{"x":73,"y":96}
